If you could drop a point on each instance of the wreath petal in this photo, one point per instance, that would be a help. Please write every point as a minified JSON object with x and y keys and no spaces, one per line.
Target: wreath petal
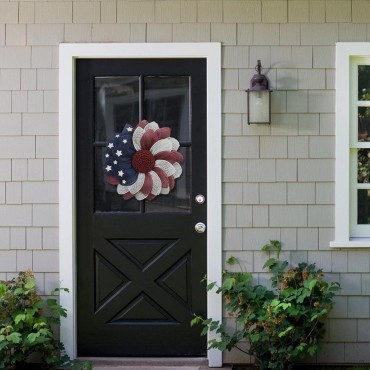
{"x":148,"y":139}
{"x":136,"y":137}
{"x":157,"y":184}
{"x":167,"y":167}
{"x":178,"y":170}
{"x":161,"y":146}
{"x":171,"y":182}
{"x":163,"y":132}
{"x":135,"y":187}
{"x":121,"y":189}
{"x":163,"y":177}
{"x":171,"y":156}
{"x":175,"y":144}
{"x":151,"y":126}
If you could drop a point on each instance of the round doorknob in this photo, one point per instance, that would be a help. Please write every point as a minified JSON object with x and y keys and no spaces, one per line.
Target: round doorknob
{"x":200,"y":198}
{"x":200,"y":227}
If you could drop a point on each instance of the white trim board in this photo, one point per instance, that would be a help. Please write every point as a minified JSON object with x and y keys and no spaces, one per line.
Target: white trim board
{"x":68,"y":53}
{"x":346,"y":55}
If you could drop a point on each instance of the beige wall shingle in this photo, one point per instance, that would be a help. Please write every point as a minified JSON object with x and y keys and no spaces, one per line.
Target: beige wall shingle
{"x":86,"y":12}
{"x":53,"y":12}
{"x":242,"y":11}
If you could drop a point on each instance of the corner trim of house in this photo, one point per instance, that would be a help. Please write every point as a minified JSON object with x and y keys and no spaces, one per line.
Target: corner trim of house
{"x":68,"y":53}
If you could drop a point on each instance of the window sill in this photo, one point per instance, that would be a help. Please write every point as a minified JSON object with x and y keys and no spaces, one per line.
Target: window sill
{"x":351,"y":243}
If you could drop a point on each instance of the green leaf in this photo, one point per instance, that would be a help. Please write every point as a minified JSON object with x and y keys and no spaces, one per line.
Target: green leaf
{"x":310,"y":283}
{"x":3,"y":344}
{"x":204,"y":331}
{"x":232,"y":260}
{"x":284,"y":305}
{"x":312,"y":349}
{"x":30,"y":284}
{"x":14,"y":338}
{"x":229,"y":283}
{"x":32,"y":337}
{"x":19,"y":318}
{"x":210,"y":286}
{"x":270,"y":262}
{"x":3,"y":289}
{"x":286,"y":331}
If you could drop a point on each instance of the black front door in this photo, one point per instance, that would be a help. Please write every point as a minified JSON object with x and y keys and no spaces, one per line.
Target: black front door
{"x":140,"y":262}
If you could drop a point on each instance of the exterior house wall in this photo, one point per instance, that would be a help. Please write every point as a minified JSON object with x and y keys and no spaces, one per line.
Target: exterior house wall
{"x":278,"y":179}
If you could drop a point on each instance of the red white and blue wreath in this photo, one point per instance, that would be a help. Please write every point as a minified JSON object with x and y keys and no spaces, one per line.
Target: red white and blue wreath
{"x":143,"y":162}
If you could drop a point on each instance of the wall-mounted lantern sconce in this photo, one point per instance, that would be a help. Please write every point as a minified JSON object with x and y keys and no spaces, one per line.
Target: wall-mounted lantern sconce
{"x":259,"y":102}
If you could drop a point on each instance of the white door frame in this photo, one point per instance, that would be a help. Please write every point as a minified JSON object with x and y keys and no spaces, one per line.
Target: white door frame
{"x":68,"y":53}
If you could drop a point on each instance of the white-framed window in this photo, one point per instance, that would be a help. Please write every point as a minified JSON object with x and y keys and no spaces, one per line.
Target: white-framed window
{"x":352,"y":169}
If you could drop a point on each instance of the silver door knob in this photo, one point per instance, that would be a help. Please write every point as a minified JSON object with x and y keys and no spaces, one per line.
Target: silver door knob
{"x":200,"y":227}
{"x":200,"y":198}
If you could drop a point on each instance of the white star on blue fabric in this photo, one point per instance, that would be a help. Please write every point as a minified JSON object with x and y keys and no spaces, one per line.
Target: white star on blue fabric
{"x":117,"y":135}
{"x":115,"y":162}
{"x":108,"y":168}
{"x":124,"y":141}
{"x":129,"y":129}
{"x":110,"y":145}
{"x":107,"y":155}
{"x":118,"y":153}
{"x":120,"y":173}
{"x":123,"y":181}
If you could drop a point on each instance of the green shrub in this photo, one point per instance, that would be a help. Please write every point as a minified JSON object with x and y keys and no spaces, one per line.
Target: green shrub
{"x":26,"y":326}
{"x":282,"y":324}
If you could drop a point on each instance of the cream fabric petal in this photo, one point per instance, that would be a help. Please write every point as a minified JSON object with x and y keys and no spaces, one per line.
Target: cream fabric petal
{"x":165,"y":190}
{"x":136,"y":186}
{"x":140,"y":196}
{"x":121,"y":189}
{"x":167,"y":167}
{"x":175,"y":143}
{"x":136,"y":137}
{"x":163,"y":145}
{"x":157,"y":183}
{"x":152,"y":126}
{"x":178,"y":169}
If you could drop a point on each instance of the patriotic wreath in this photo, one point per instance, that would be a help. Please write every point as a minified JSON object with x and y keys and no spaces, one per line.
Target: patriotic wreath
{"x":143,"y":162}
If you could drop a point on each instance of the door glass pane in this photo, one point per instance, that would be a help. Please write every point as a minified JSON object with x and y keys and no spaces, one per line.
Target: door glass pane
{"x":167,"y":103}
{"x":363,"y":166}
{"x":364,"y":82}
{"x":116,"y":103}
{"x":178,"y":200}
{"x":106,"y":197}
{"x":363,"y":206}
{"x":363,"y":123}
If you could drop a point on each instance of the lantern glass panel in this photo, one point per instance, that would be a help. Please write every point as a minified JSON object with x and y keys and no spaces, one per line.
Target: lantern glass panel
{"x":259,"y":106}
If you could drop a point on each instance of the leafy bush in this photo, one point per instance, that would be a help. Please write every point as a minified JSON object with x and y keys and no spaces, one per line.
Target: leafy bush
{"x":282,"y":324}
{"x":26,"y":326}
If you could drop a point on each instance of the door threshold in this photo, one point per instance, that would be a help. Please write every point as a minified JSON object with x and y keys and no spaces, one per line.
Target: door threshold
{"x":149,"y":363}
{"x":155,"y":361}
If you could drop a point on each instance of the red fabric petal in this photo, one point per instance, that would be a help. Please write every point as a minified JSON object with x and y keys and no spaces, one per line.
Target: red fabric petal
{"x":179,"y":156}
{"x":163,"y":132}
{"x":127,"y":196}
{"x":150,"y":196}
{"x":148,"y":184}
{"x":162,"y":175}
{"x":171,"y":181}
{"x":171,"y":156}
{"x":112,"y":180}
{"x":148,"y":139}
{"x":142,"y":123}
